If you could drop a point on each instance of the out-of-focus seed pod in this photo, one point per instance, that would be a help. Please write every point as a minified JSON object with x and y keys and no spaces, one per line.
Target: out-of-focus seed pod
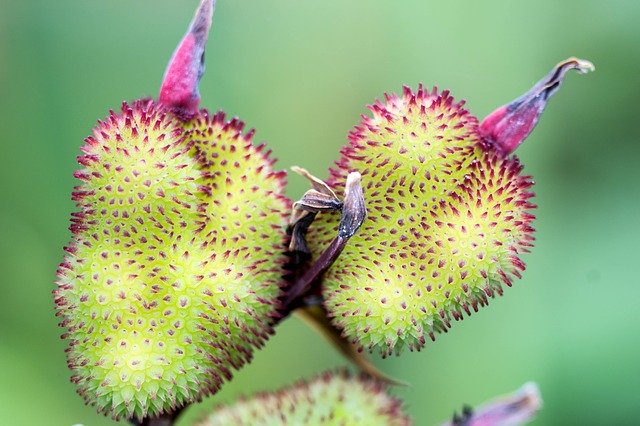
{"x":330,"y":399}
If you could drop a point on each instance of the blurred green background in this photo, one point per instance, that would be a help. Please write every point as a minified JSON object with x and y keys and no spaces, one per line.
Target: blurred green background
{"x":301,"y":72}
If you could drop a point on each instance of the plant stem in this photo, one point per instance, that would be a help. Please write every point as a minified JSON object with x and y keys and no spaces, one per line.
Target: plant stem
{"x":304,"y":283}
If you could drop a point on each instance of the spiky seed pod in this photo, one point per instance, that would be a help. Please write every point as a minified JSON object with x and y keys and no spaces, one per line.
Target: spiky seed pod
{"x":447,"y":220}
{"x":449,"y":214}
{"x":172,"y":274}
{"x":329,"y":399}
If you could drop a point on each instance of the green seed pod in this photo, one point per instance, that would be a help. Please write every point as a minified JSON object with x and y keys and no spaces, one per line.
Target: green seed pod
{"x":448,"y":216}
{"x":172,"y":274}
{"x":330,"y":399}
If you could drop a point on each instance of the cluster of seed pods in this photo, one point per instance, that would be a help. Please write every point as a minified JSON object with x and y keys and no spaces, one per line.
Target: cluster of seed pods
{"x":174,"y":273}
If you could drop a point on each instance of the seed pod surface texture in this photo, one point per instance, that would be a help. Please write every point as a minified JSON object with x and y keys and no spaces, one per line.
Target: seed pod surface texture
{"x":172,"y":274}
{"x":448,"y":218}
{"x":332,"y":399}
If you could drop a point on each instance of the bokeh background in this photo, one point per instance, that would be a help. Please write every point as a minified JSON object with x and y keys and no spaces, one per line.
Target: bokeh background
{"x":301,"y":72}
